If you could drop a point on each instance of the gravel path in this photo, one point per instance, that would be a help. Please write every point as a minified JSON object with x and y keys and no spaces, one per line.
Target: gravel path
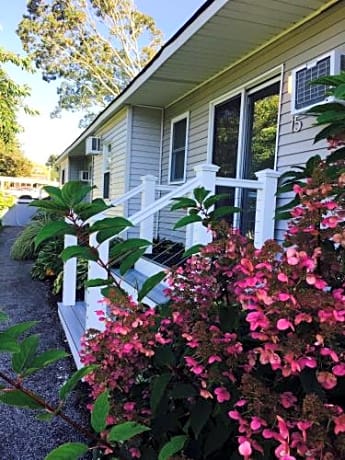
{"x":22,"y":436}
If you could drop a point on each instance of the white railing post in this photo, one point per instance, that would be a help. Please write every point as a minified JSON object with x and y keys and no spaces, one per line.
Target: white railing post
{"x":197,"y":233}
{"x":69,"y":284}
{"x":265,"y":206}
{"x":93,"y":295}
{"x":147,"y":198}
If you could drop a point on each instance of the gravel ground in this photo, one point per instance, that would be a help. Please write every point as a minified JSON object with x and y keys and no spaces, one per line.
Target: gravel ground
{"x":22,"y":436}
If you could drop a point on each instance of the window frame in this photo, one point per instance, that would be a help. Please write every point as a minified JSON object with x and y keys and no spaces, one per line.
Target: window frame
{"x":173,"y":121}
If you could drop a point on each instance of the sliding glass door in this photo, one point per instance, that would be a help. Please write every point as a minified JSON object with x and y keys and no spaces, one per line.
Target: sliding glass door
{"x":245,"y":133}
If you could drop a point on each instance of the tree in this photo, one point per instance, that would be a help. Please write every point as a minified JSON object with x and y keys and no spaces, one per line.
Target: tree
{"x":52,"y":166}
{"x":12,"y":161}
{"x":11,"y":97}
{"x":95,"y":47}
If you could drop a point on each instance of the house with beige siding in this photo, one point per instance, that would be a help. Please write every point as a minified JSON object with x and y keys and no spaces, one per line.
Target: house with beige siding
{"x":224,"y":99}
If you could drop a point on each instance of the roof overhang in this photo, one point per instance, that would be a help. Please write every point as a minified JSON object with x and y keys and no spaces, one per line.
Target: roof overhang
{"x":219,"y":35}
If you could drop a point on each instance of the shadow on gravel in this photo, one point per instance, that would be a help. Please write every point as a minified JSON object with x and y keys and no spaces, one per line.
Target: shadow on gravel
{"x":22,"y":436}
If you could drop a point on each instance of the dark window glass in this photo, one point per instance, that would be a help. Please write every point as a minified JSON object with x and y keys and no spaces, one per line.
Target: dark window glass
{"x":106,"y":184}
{"x":260,"y":145}
{"x":63,"y":177}
{"x":178,"y":153}
{"x":226,"y":132}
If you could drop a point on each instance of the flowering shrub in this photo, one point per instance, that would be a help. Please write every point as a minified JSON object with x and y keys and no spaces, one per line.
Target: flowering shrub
{"x":247,"y":360}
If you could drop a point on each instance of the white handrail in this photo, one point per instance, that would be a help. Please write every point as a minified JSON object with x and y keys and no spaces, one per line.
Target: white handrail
{"x":164,"y":201}
{"x":127,"y":196}
{"x":239,"y":183}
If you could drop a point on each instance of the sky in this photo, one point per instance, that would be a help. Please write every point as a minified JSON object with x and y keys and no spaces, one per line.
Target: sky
{"x":43,"y":136}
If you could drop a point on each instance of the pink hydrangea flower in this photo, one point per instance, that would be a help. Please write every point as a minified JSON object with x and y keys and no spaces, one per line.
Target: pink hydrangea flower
{"x":222,"y":394}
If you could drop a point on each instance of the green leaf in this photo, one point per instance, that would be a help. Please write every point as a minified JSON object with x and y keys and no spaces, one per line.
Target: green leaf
{"x":183,"y":390}
{"x":116,"y":224}
{"x":72,"y":382}
{"x":130,"y":260}
{"x":125,"y":246}
{"x":200,"y":193}
{"x":158,"y":389}
{"x":73,"y":192}
{"x":150,"y":283}
{"x":187,"y":220}
{"x":68,"y":451}
{"x":164,"y":356}
{"x":82,"y":252}
{"x":97,"y":282}
{"x":18,"y":329}
{"x":171,"y":448}
{"x":283,"y":215}
{"x":45,"y":417}
{"x":224,"y":211}
{"x":19,"y":399}
{"x":100,"y":412}
{"x":87,"y":210}
{"x":338,"y":154}
{"x":3,"y":316}
{"x":183,"y":203}
{"x":8,"y":343}
{"x":329,"y":131}
{"x":200,"y":415}
{"x":23,"y":359}
{"x":53,"y":229}
{"x":45,"y":359}
{"x":50,"y":206}
{"x":339,"y":91}
{"x":193,"y":250}
{"x":125,"y":431}
{"x":213,"y":199}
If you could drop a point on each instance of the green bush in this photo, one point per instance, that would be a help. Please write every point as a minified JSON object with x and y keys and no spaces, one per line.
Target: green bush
{"x":24,"y":247}
{"x":6,"y":201}
{"x":48,"y":263}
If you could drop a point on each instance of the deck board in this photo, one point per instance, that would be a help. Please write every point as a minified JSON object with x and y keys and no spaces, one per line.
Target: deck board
{"x":73,"y":319}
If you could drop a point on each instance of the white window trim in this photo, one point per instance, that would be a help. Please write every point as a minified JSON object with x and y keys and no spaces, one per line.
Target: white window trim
{"x":185,"y":115}
{"x":267,"y":78}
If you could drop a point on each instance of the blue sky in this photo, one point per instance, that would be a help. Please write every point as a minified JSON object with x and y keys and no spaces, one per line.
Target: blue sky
{"x":43,"y":136}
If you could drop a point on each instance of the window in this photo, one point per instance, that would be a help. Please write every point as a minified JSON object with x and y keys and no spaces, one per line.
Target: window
{"x":63,"y":179}
{"x":106,"y":170}
{"x":178,"y":150}
{"x":244,"y":142}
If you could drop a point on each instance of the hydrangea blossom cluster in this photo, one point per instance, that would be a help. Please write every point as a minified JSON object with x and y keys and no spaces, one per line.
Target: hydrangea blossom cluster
{"x":258,"y":334}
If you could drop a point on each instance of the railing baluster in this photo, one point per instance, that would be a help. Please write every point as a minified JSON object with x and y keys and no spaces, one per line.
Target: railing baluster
{"x":69,"y":274}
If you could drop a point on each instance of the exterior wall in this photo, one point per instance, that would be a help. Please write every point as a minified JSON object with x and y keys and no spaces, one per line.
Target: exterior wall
{"x":144,"y":151}
{"x":114,"y":133}
{"x":319,"y":36}
{"x":77,"y":164}
{"x":64,"y":167}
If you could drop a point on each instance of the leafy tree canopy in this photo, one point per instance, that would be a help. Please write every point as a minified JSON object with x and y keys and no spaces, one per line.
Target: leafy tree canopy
{"x":12,"y":161}
{"x":11,"y":97}
{"x":95,"y":47}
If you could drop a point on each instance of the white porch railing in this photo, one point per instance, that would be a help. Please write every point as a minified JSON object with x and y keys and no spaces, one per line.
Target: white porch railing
{"x":265,"y":185}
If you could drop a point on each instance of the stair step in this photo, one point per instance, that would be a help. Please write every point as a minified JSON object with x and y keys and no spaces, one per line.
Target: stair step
{"x":136,"y":279}
{"x":73,"y":320}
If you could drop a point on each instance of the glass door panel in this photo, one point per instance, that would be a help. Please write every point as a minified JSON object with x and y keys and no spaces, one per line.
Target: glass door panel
{"x":260,"y":145}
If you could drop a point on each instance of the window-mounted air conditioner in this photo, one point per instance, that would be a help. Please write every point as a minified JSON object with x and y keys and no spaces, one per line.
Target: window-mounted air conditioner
{"x":84,"y":176}
{"x":93,"y":146}
{"x":304,"y":95}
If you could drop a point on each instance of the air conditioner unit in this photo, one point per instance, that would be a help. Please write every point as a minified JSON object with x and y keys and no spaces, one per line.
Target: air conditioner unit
{"x":84,"y":176}
{"x":93,"y":146}
{"x":304,"y":95}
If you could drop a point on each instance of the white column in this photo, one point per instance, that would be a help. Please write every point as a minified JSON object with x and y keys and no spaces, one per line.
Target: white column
{"x":197,"y":233}
{"x":69,"y":285}
{"x":93,"y":295}
{"x":265,"y":206}
{"x":147,"y":198}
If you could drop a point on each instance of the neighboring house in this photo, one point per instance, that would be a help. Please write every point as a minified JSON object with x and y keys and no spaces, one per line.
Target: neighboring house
{"x":229,"y":88}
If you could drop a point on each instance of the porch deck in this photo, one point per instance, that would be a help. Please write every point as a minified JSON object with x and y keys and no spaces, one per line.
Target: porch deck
{"x":73,"y":320}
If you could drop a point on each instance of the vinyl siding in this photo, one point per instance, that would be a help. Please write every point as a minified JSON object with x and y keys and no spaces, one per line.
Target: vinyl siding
{"x":144,"y":157}
{"x":316,"y":38}
{"x":114,"y":133}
